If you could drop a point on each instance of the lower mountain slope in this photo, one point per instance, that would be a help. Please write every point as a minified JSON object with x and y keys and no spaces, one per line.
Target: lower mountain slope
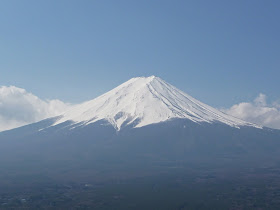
{"x":93,"y":146}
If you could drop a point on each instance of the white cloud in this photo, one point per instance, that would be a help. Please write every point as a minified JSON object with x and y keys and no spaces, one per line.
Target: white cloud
{"x":19,"y":107}
{"x":258,"y":112}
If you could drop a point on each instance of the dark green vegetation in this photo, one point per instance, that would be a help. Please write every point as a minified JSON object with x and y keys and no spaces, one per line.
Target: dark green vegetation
{"x":174,"y":165}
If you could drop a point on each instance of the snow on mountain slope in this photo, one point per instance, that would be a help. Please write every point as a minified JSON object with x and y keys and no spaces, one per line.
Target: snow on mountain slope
{"x":144,"y":101}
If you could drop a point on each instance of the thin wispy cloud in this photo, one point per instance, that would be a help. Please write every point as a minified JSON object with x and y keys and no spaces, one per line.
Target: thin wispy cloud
{"x":258,"y":111}
{"x":19,"y":107}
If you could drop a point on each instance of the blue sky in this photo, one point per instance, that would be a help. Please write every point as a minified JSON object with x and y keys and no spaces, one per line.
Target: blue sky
{"x":220,"y":52}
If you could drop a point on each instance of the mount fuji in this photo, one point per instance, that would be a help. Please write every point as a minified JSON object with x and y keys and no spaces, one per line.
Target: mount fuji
{"x":143,"y":126}
{"x":144,"y":101}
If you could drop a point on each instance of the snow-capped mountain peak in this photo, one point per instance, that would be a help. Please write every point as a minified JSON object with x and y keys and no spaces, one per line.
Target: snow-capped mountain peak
{"x":143,"y":101}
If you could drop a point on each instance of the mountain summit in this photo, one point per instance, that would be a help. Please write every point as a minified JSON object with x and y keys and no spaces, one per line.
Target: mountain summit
{"x":142,"y":101}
